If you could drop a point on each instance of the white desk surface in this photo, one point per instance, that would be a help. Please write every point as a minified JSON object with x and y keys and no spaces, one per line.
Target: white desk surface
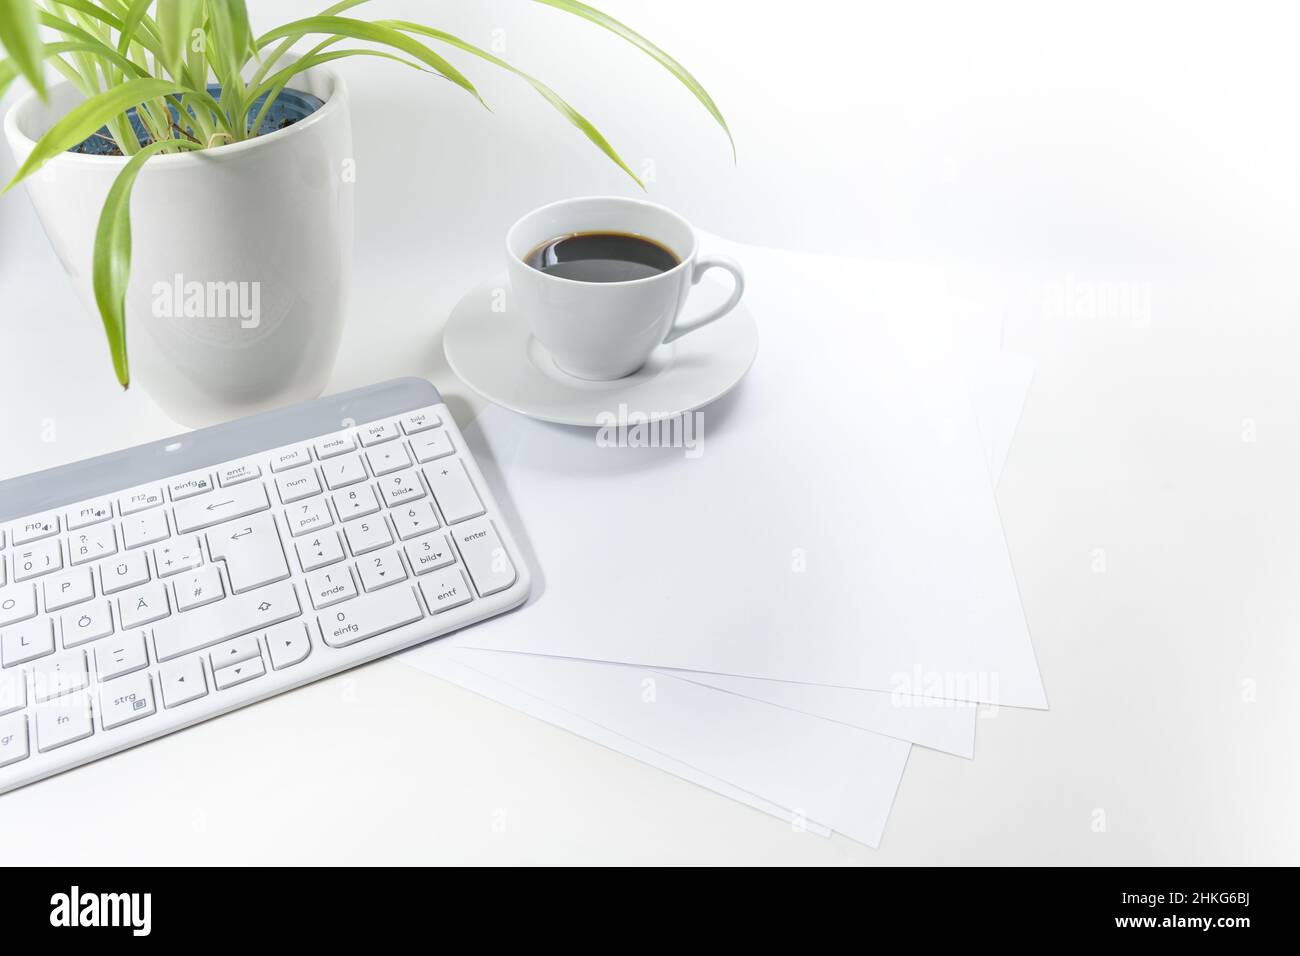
{"x":1165,"y":443}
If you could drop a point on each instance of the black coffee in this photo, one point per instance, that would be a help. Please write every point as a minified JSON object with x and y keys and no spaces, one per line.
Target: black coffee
{"x":601,"y":257}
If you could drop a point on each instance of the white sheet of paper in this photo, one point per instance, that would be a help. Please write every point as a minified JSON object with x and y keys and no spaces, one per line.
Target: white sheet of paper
{"x":837,"y":487}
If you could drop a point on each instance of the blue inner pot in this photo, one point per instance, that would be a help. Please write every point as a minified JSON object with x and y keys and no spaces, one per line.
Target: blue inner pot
{"x":290,"y":107}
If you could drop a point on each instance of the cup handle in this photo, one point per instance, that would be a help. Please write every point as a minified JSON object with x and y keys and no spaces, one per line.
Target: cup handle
{"x":702,"y":265}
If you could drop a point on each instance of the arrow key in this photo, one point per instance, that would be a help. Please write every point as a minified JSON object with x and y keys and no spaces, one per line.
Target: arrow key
{"x":238,"y":673}
{"x":289,"y":644}
{"x":182,"y":681}
{"x":235,"y":652}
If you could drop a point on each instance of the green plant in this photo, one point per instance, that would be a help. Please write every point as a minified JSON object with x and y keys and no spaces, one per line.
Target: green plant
{"x":156,"y":59}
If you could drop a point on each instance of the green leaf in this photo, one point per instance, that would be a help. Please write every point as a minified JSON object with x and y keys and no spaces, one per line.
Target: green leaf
{"x":641,"y":43}
{"x":22,"y":40}
{"x":375,"y":33}
{"x":231,"y":18}
{"x":567,"y":111}
{"x":177,"y":19}
{"x":111,"y":262}
{"x":229,"y":43}
{"x":131,"y":23}
{"x":85,"y":118}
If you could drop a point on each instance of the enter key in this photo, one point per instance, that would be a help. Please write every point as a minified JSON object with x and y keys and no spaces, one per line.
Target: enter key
{"x":484,"y":556}
{"x":252,"y":550}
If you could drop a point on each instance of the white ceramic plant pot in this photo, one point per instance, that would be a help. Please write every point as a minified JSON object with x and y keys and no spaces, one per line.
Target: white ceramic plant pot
{"x":241,"y":255}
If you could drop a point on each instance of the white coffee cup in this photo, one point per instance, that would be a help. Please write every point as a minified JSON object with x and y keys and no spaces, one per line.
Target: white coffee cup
{"x":607,"y":330}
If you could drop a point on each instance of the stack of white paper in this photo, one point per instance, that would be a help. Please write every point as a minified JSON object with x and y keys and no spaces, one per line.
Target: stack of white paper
{"x":780,"y":617}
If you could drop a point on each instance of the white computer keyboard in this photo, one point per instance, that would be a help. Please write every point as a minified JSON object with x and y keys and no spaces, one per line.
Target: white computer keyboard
{"x":148,"y":590}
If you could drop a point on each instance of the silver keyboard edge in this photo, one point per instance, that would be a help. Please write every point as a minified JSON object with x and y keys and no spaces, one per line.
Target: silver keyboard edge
{"x":92,"y":477}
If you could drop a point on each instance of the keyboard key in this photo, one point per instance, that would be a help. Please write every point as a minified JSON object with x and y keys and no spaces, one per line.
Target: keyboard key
{"x":332,"y":586}
{"x":306,"y":516}
{"x":252,"y":551}
{"x":432,"y":446}
{"x":237,"y":674}
{"x":288,"y":644}
{"x":429,"y":554}
{"x":234,"y":652}
{"x":445,"y":590}
{"x":123,"y":572}
{"x":125,"y":700}
{"x":43,"y":557}
{"x":198,"y":588}
{"x":148,"y":527}
{"x":34,"y":529}
{"x":234,"y":617}
{"x":92,"y":544}
{"x":369,"y":615}
{"x":387,"y":459}
{"x":237,"y":502}
{"x":85,"y":624}
{"x":298,"y":485}
{"x":92,"y":512}
{"x":420,"y":421}
{"x":143,"y":605}
{"x":182,"y":681}
{"x":139,"y":501}
{"x":319,"y":551}
{"x":451,"y":488}
{"x":381,"y":569}
{"x":124,"y":655}
{"x":67,"y":589}
{"x":355,"y":503}
{"x":335,"y":445}
{"x":414,"y":520}
{"x":377,"y":432}
{"x":17,"y":603}
{"x":27,"y":641}
{"x":13,"y":739}
{"x":237,"y":474}
{"x":59,"y":674}
{"x":485,"y":557}
{"x":344,"y":472}
{"x":290,"y":458}
{"x":189,"y":486}
{"x":367,"y":535}
{"x":13,"y":690}
{"x":62,"y":721}
{"x":182,"y":554}
{"x":400,"y":488}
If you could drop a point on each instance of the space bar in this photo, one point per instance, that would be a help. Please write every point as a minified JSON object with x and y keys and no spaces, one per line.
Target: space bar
{"x":235,"y":616}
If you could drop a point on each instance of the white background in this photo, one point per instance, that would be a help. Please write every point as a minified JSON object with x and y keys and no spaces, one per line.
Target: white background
{"x":1040,"y":153}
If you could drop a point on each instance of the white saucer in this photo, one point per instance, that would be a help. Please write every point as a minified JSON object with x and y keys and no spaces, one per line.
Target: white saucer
{"x":495,"y":354}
